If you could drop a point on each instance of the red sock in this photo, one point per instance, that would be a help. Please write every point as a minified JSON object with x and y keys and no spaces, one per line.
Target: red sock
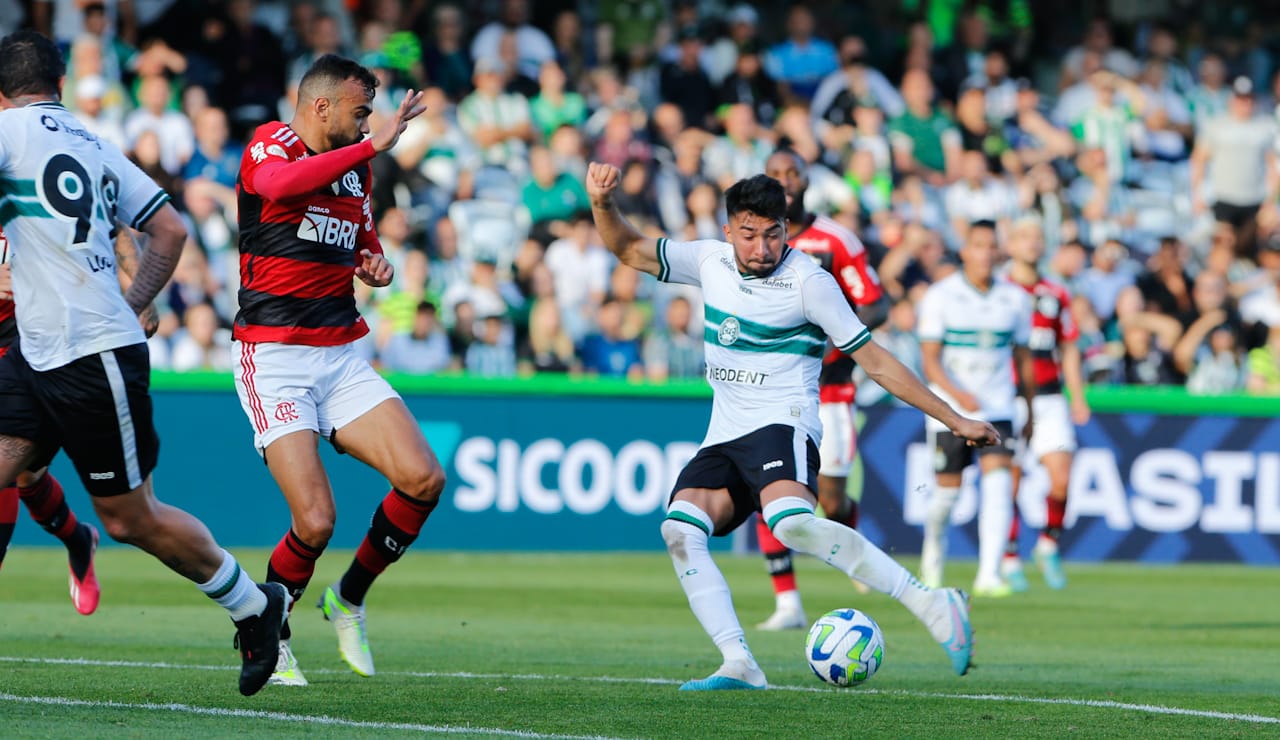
{"x":1057,"y":512}
{"x":292,"y":564}
{"x":777,"y":559}
{"x":396,"y":524}
{"x":852,"y":518}
{"x":48,"y":507}
{"x":8,"y":517}
{"x":1015,"y":526}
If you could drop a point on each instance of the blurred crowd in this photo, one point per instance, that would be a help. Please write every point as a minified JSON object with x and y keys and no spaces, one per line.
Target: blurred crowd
{"x":1145,"y":150}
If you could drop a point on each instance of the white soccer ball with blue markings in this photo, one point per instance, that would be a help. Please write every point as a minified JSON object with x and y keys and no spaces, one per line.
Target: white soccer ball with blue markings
{"x":845,"y":647}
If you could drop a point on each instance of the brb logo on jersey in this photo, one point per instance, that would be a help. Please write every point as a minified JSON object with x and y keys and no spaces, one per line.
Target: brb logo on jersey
{"x":318,"y":226}
{"x":729,"y":331}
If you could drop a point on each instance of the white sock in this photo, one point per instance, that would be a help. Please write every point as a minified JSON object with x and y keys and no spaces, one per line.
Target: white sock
{"x":788,"y":601}
{"x":234,"y":590}
{"x":685,"y":531}
{"x":994,"y":518}
{"x":933,"y":551}
{"x":846,"y":549}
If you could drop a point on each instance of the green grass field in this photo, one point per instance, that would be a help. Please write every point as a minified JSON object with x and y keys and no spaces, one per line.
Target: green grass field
{"x":596,"y":645}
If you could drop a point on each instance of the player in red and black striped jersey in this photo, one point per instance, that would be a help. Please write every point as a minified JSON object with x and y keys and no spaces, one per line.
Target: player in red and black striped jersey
{"x":842,"y":254}
{"x":306,"y":230}
{"x":1052,"y":441}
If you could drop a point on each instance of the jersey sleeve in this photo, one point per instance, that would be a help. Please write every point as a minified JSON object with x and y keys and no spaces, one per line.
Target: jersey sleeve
{"x":930,"y":317}
{"x":1068,"y":329}
{"x":855,"y":275}
{"x":138,"y":197}
{"x":367,"y":236}
{"x":679,"y":262}
{"x":823,"y":306}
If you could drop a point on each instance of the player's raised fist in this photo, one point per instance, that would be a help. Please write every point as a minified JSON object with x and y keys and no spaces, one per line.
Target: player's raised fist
{"x":602,"y":179}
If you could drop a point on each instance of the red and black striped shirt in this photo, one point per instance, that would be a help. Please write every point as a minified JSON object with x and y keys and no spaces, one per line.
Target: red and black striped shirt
{"x":8,"y":324}
{"x":304,"y":219}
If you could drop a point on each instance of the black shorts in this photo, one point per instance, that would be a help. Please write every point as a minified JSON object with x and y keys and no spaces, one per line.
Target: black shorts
{"x":1235,"y":215}
{"x":953,"y":455}
{"x":97,"y":408}
{"x":748,"y":464}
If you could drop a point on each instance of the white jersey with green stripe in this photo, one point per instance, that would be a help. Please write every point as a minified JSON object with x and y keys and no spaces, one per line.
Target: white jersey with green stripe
{"x":62,"y":190}
{"x":978,"y":331}
{"x":764,"y":337}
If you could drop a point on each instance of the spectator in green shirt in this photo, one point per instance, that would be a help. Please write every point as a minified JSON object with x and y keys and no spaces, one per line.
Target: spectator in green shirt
{"x":550,"y":195}
{"x":925,"y":141}
{"x":553,"y":106}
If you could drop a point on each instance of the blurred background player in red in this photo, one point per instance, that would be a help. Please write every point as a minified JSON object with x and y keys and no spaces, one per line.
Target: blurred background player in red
{"x":306,"y":228}
{"x":1057,"y":363}
{"x":40,"y":491}
{"x":841,"y":253}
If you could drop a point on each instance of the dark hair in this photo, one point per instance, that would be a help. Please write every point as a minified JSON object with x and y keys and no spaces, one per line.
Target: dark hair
{"x":32,"y":65}
{"x":426,"y":307}
{"x":330,"y":71}
{"x":760,"y":194}
{"x":784,"y":147}
{"x":983,"y":224}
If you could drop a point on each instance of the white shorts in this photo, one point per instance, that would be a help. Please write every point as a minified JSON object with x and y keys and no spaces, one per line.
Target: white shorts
{"x":1053,"y":431}
{"x":839,"y":439}
{"x":284,"y":388}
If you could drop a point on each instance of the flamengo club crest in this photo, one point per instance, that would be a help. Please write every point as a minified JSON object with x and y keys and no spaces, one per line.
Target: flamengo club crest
{"x":728,"y":331}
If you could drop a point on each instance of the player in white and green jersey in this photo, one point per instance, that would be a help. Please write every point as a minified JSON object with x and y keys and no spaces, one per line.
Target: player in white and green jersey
{"x":78,"y":377}
{"x":769,"y":310}
{"x":972,"y":327}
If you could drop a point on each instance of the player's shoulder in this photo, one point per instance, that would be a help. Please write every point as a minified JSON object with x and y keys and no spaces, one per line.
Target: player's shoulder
{"x":701,"y":249}
{"x":274,"y":139}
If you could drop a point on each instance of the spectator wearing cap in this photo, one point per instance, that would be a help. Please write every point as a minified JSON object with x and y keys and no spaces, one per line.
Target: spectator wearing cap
{"x":1238,"y":150}
{"x":532,"y":46}
{"x":800,"y":63}
{"x":721,"y":56}
{"x":423,"y":350}
{"x":97,"y":118}
{"x":497,"y":121}
{"x":685,"y":83}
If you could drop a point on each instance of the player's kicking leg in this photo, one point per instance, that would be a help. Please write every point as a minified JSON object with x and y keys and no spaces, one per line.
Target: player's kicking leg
{"x":389,"y":440}
{"x":788,"y":507}
{"x":42,"y":494}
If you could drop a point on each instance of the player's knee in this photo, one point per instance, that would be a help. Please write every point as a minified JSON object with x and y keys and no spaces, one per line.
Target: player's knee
{"x":315,"y":528}
{"x":676,"y":536}
{"x":796,"y":531}
{"x":124,"y":528}
{"x":424,"y":481}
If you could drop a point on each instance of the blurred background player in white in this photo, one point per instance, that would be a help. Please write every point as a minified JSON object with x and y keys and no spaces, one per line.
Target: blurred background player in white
{"x":769,"y":311}
{"x":841,"y":253}
{"x":1056,"y":358}
{"x":973,"y":326}
{"x":78,"y":378}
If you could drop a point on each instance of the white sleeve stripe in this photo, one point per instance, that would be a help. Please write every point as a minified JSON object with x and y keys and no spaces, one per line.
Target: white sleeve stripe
{"x":149,"y":210}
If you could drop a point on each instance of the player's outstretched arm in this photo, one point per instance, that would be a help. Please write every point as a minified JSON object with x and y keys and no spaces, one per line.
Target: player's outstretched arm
{"x":629,"y":245}
{"x":896,"y":378}
{"x":167,"y":234}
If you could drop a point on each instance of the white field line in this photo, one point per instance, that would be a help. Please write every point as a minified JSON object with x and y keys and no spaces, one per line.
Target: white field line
{"x":1013,"y":698}
{"x":308,"y":719}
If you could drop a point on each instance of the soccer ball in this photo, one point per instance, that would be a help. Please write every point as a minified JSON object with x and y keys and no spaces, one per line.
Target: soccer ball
{"x":845,"y":647}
